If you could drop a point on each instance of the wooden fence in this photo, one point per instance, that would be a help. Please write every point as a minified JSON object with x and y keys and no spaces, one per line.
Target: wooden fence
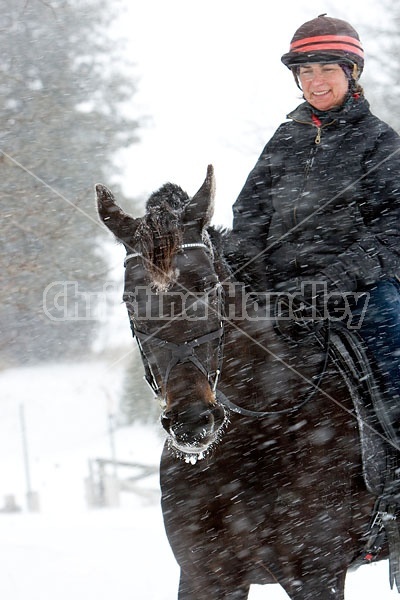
{"x":108,"y":478}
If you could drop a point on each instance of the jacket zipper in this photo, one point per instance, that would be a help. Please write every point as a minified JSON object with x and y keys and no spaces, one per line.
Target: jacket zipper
{"x":315,"y":122}
{"x":310,"y":161}
{"x":318,"y":124}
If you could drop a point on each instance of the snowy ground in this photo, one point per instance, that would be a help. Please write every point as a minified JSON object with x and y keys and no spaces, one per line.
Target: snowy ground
{"x":68,"y":550}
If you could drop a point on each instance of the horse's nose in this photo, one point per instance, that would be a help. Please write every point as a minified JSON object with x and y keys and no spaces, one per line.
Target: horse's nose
{"x":193,"y":425}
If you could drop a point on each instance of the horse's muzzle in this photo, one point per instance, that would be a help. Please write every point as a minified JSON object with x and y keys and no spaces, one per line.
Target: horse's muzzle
{"x":195,"y":428}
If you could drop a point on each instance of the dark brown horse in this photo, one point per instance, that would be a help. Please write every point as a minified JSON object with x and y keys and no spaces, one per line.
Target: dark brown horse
{"x":262,"y":477}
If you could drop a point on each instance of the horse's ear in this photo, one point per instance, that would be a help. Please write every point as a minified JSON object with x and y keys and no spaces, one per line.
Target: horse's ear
{"x":118,"y":222}
{"x":200,"y":209}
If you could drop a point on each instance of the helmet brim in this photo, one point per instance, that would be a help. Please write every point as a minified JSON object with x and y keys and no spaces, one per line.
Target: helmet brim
{"x":294,"y":59}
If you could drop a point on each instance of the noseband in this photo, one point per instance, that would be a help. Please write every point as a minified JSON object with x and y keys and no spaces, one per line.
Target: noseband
{"x":180,"y":354}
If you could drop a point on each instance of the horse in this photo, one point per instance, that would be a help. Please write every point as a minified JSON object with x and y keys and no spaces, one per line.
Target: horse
{"x":262,"y":476}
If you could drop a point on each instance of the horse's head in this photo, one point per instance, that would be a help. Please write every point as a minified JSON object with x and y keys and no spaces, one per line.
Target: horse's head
{"x":174,"y":301}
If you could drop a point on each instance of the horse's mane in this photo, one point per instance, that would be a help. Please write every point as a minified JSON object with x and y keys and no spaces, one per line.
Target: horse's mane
{"x":220,"y":241}
{"x":233,"y":262}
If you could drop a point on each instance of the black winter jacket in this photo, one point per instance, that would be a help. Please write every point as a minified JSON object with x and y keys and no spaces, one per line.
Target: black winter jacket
{"x":323,"y":200}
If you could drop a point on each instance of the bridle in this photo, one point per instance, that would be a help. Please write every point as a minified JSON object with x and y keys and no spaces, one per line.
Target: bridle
{"x":186,"y":352}
{"x":180,"y":353}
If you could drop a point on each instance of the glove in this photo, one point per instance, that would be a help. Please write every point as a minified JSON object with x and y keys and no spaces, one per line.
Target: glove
{"x":317,"y":297}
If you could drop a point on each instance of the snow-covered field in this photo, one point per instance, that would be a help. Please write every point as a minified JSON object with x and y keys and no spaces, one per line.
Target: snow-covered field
{"x":67,"y":550}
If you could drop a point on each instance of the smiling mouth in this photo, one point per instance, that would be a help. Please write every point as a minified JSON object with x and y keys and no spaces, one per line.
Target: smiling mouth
{"x":321,"y":93}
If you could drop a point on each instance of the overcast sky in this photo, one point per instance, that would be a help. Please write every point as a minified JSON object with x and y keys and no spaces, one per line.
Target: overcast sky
{"x":211,"y":82}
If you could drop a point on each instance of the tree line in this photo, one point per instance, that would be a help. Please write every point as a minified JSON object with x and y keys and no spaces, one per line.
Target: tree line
{"x":62,"y":90}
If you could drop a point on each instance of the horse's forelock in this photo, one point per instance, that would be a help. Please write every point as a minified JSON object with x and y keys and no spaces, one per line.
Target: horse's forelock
{"x":170,"y":195}
{"x":159,"y":237}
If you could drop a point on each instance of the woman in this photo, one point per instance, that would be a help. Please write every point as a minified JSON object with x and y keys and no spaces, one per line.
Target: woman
{"x":322,"y":203}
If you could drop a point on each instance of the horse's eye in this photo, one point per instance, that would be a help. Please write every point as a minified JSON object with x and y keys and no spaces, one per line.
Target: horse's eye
{"x":130,"y":301}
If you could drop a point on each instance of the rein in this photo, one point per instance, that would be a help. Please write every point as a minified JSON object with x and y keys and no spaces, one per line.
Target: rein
{"x":323,"y":341}
{"x":259,"y":414}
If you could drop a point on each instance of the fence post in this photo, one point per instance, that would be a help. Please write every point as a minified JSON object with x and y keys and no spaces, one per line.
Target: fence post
{"x":32,"y":498}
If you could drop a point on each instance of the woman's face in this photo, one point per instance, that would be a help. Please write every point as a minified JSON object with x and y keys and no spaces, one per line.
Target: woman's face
{"x":324,"y":85}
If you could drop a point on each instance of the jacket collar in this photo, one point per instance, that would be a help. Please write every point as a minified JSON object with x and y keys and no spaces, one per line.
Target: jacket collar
{"x":352,"y":110}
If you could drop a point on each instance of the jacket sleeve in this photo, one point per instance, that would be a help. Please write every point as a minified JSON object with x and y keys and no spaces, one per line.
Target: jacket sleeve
{"x":251,"y":218}
{"x":376,"y":255}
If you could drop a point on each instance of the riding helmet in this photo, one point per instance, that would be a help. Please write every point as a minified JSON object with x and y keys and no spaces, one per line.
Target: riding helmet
{"x":323,"y":40}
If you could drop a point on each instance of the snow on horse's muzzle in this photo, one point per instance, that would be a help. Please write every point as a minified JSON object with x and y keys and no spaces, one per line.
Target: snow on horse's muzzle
{"x":195,"y":428}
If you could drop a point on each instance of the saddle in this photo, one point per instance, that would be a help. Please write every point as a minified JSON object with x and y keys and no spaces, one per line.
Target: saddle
{"x":351,"y":357}
{"x":380,"y":457}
